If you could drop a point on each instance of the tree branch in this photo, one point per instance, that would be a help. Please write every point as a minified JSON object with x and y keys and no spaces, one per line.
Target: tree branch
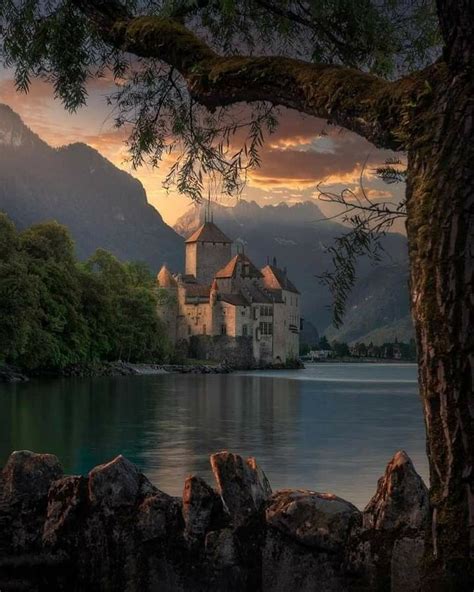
{"x":363,"y":103}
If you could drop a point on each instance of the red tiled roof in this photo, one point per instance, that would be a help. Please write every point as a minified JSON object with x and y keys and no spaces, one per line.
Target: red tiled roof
{"x":208,"y":233}
{"x":273,"y":277}
{"x":165,"y":279}
{"x":230,"y":270}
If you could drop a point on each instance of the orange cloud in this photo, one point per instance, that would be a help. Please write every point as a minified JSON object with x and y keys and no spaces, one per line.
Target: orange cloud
{"x":303,"y":151}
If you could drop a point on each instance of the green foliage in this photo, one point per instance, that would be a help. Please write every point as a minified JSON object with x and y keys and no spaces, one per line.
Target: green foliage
{"x":324,"y":343}
{"x":56,"y":311}
{"x":341,"y":350}
{"x":55,"y":41}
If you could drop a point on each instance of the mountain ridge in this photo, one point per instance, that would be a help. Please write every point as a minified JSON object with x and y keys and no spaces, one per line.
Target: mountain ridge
{"x":102,"y":205}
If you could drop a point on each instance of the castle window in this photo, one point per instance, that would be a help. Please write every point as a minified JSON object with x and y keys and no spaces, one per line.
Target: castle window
{"x":204,"y":329}
{"x":245,"y":330}
{"x":223,"y":330}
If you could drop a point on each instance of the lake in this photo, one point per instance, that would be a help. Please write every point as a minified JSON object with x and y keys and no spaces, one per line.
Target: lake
{"x":330,"y":427}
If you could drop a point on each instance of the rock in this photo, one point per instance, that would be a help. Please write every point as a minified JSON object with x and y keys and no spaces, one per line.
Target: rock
{"x":11,"y":374}
{"x":289,"y":566}
{"x":401,"y":499}
{"x":201,"y":505}
{"x":159,"y":516}
{"x":406,"y":565}
{"x":221,"y":548}
{"x":29,"y":475}
{"x":386,"y":551}
{"x":320,"y":520}
{"x":65,"y":501}
{"x":114,"y":484}
{"x":242,"y":485}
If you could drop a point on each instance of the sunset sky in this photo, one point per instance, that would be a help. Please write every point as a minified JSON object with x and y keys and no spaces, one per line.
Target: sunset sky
{"x":302,"y":153}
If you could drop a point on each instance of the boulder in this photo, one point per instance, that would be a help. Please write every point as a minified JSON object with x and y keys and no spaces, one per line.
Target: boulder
{"x":387,"y":550}
{"x":242,"y":485}
{"x":221,"y":548}
{"x":407,"y":556}
{"x":201,"y":504}
{"x":288,"y":565}
{"x":115,"y":484}
{"x":158,"y":517}
{"x":28,"y":476}
{"x":320,"y":520}
{"x":66,"y":498}
{"x":401,"y":499}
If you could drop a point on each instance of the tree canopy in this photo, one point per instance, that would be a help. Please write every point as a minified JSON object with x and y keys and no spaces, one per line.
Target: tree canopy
{"x":57,"y":311}
{"x":180,"y":64}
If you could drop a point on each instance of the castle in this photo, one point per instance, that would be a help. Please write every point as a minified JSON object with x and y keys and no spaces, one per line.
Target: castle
{"x":224,"y":308}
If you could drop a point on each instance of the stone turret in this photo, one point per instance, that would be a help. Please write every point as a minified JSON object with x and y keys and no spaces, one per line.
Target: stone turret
{"x":165,"y":278}
{"x":167,"y":307}
{"x":207,"y":250}
{"x":214,"y":292}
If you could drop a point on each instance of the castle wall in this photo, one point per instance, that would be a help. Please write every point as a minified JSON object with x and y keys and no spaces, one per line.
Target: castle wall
{"x":236,"y":351}
{"x":194,"y":319}
{"x":167,"y":310}
{"x":205,"y":259}
{"x":191,"y":258}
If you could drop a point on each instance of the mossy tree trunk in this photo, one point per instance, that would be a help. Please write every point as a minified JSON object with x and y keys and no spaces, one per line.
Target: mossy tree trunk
{"x":440,"y":194}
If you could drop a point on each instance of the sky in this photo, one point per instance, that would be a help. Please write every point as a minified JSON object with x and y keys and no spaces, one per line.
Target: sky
{"x":303,"y":153}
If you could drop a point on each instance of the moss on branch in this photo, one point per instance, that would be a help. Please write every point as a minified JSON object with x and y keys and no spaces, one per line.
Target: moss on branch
{"x":360,"y":102}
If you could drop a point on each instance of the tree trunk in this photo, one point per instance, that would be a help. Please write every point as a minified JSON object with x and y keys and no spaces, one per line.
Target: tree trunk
{"x":440,"y":196}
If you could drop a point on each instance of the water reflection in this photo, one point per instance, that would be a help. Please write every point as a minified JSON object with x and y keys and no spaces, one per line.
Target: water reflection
{"x":316,"y":428}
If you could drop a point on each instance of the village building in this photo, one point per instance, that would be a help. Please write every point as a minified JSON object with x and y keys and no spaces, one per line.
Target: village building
{"x":225,"y":308}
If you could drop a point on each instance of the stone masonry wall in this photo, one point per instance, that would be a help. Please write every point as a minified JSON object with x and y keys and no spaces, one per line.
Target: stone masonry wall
{"x":235,"y":351}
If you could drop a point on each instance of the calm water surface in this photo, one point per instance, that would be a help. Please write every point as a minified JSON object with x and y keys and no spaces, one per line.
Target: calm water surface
{"x":330,"y":427}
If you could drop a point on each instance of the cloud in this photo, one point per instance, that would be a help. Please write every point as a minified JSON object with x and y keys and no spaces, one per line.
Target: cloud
{"x":302,"y":153}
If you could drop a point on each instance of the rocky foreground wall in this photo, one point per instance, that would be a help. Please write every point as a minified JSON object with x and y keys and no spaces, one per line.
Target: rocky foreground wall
{"x":113,"y":531}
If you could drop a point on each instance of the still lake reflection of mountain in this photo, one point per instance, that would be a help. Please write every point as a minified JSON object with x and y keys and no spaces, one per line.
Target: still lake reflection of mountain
{"x":330,"y":427}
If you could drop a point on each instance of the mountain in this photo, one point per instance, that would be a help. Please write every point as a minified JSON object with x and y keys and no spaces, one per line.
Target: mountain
{"x":297,"y":236}
{"x":101,"y":205}
{"x":378,"y":309}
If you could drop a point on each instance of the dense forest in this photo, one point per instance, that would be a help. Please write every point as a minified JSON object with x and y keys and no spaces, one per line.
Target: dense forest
{"x":57,"y":311}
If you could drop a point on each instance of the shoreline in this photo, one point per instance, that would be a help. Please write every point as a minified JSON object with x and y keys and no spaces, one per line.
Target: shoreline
{"x":12,"y":375}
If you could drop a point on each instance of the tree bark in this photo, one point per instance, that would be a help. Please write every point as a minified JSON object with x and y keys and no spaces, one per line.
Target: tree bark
{"x":440,"y":202}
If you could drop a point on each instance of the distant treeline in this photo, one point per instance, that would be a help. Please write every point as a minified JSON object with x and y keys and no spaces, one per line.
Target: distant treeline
{"x":56,"y":311}
{"x":396,"y":350}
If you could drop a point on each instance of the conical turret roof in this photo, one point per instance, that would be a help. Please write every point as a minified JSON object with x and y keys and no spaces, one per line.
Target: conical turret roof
{"x":165,"y":278}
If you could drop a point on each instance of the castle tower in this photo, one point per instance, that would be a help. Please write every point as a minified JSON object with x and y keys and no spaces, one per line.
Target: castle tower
{"x":207,"y":250}
{"x":167,"y":307}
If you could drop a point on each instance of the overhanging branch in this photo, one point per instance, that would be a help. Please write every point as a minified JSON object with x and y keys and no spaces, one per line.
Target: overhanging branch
{"x":363,"y":103}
